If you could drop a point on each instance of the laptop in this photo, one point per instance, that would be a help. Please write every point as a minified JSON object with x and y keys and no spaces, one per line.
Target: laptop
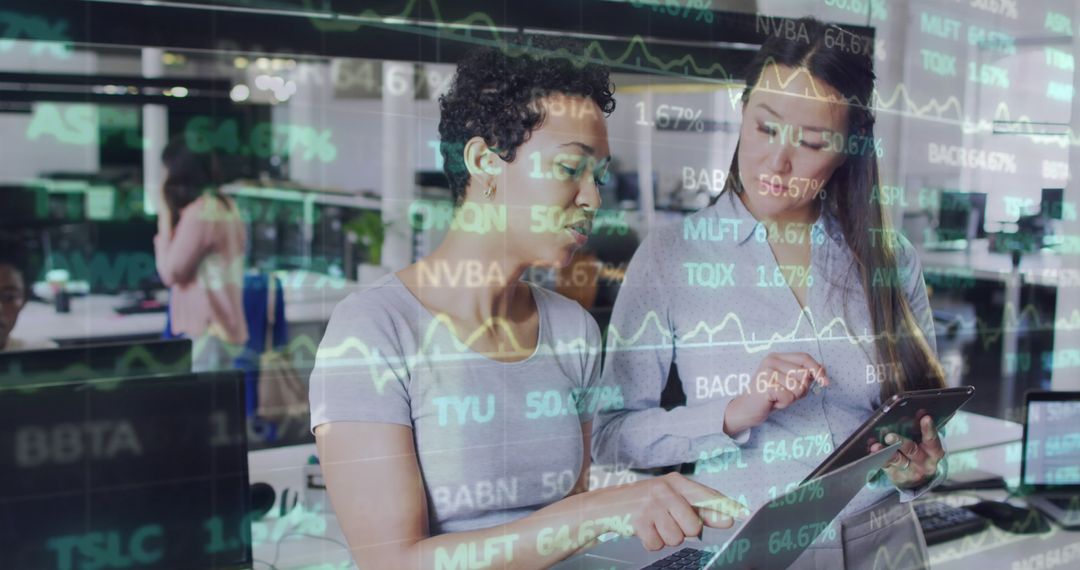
{"x":774,"y":536}
{"x":1050,"y":466}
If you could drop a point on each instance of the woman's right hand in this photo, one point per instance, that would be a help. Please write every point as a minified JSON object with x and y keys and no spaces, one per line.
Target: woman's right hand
{"x":781,"y":379}
{"x":664,"y":511}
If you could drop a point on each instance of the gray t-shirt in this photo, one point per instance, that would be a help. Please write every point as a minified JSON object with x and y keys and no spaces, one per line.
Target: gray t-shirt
{"x":495,"y":441}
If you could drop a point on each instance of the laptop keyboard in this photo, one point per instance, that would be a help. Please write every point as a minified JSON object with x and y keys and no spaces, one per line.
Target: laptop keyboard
{"x":685,"y":558}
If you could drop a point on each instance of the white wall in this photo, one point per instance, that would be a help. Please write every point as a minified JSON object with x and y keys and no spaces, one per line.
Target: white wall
{"x":24,"y":158}
{"x":70,"y":144}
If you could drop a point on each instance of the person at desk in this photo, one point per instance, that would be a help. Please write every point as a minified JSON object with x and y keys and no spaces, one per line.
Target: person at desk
{"x":13,"y":294}
{"x":199,"y":250}
{"x":788,"y":307}
{"x":428,"y":392}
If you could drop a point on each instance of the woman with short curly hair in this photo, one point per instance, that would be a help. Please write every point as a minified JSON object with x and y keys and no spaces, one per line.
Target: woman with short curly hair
{"x":452,"y":402}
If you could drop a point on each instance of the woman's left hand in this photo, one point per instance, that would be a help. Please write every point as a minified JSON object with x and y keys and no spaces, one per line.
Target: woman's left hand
{"x":914,"y":463}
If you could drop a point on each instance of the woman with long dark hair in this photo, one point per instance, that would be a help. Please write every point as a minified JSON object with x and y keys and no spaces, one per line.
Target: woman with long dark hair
{"x":199,"y":250}
{"x":789,"y":308}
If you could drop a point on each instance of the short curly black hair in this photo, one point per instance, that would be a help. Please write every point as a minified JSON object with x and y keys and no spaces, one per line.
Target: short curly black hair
{"x":494,"y":92}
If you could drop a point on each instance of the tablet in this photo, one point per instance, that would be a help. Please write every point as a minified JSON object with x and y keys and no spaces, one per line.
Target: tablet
{"x":900,"y":415}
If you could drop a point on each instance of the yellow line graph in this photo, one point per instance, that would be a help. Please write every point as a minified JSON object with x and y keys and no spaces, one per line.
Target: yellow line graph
{"x":702,"y":335}
{"x":136,"y":360}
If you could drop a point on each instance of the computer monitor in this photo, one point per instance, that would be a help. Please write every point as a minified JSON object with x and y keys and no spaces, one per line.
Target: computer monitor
{"x":1052,"y":204}
{"x":962,"y":215}
{"x":116,"y":360}
{"x":1051,"y":444}
{"x":143,"y":472}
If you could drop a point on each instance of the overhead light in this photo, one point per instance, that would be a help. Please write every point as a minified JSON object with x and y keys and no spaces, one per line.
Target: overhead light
{"x":239,"y":93}
{"x":284,"y":90}
{"x":280,"y":88}
{"x":177,"y":92}
{"x":241,"y":62}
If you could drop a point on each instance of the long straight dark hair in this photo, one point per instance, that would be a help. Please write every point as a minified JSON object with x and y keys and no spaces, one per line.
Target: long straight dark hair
{"x":190,"y":175}
{"x":850,"y":199}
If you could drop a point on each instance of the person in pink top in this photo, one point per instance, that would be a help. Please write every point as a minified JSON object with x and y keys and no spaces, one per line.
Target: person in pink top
{"x":199,"y":250}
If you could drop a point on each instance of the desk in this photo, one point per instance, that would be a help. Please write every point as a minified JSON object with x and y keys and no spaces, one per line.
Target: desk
{"x":91,"y":316}
{"x":988,"y":443}
{"x":273,"y":538}
{"x":969,"y":432}
{"x":994,"y":548}
{"x":993,"y":445}
{"x":309,"y":300}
